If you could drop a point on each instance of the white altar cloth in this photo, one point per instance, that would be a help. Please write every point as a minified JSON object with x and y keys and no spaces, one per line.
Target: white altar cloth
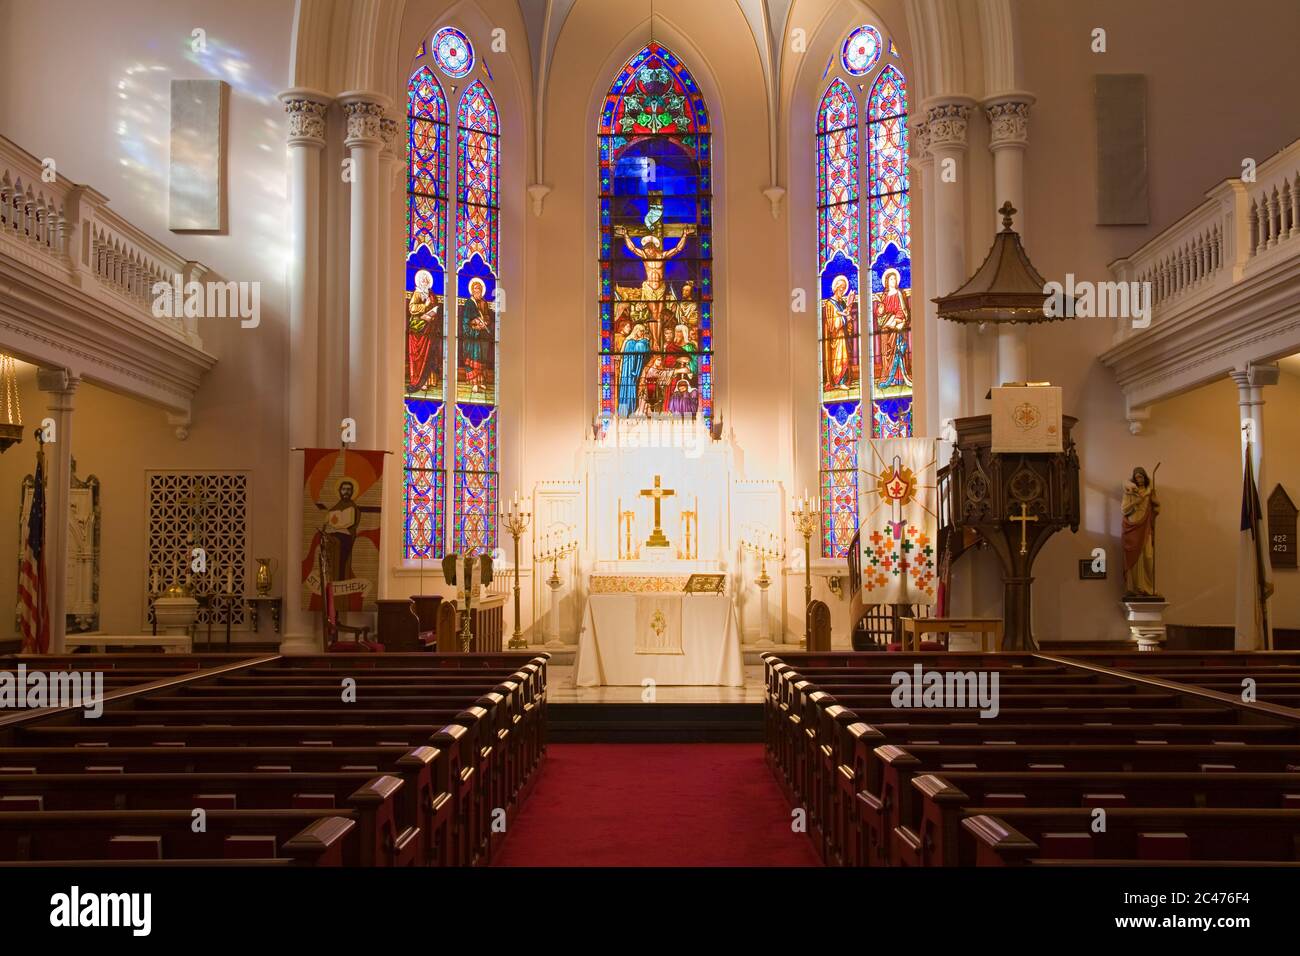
{"x":710,"y":643}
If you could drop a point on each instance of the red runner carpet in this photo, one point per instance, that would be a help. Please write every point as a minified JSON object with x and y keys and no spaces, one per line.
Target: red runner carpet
{"x":655,"y":805}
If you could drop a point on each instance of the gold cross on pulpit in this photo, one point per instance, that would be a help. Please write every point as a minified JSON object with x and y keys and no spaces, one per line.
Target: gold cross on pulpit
{"x":1024,"y":518}
{"x":657,"y":537}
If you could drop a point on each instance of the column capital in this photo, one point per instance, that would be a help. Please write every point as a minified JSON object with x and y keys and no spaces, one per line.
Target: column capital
{"x":945,"y":119}
{"x":365,"y":112}
{"x":1256,"y":376}
{"x":1008,"y":115}
{"x":390,"y":131}
{"x":306,"y":111}
{"x":919,"y":151}
{"x":60,"y":381}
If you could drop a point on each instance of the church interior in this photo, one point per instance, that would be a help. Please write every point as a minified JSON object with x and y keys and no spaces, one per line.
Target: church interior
{"x":748,"y":433}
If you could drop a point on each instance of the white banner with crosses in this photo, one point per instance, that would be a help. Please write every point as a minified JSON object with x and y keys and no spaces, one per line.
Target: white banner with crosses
{"x":898,"y":520}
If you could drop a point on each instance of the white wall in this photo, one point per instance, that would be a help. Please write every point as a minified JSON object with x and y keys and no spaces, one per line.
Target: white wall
{"x":88,"y":85}
{"x":1215,"y":95}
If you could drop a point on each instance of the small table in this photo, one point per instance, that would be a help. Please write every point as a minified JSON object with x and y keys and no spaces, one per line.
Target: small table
{"x":215,"y":603}
{"x":255,"y":605}
{"x":988,"y":628}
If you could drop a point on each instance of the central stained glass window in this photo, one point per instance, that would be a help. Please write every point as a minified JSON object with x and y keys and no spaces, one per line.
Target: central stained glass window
{"x":866,"y":380}
{"x":451,"y":320}
{"x":656,"y":243}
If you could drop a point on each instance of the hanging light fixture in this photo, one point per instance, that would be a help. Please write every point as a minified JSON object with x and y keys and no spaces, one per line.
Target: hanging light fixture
{"x":11,"y":426}
{"x":1005,"y":289}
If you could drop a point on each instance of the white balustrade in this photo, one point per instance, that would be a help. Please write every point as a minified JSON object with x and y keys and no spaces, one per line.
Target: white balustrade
{"x":69,"y":233}
{"x":1241,"y":227}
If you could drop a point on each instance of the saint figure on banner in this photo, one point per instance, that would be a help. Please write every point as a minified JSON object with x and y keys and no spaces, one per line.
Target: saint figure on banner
{"x":837,"y":335}
{"x":892,"y":314}
{"x":340,"y":529}
{"x":1139,"y":509}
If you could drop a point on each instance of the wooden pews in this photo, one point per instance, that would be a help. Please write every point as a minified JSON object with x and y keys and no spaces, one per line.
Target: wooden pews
{"x":1161,"y":748}
{"x":339,"y":759}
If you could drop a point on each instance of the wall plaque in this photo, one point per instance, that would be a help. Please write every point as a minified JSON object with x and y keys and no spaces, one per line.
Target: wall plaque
{"x":1281,"y":529}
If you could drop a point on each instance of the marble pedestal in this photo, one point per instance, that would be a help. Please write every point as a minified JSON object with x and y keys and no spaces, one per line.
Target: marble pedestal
{"x":1146,"y":621}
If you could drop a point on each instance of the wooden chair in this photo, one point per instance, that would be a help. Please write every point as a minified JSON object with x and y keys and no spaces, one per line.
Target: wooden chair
{"x":448,"y":628}
{"x":818,"y":626}
{"x":332,"y":626}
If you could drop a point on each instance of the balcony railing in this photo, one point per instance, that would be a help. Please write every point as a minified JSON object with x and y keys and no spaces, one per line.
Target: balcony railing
{"x":1240,"y":229}
{"x":1225,"y":288}
{"x":68,"y":232}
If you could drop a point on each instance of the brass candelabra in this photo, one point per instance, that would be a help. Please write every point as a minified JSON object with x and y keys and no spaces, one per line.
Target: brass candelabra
{"x":764,"y":552}
{"x":554,"y":546}
{"x":515,"y":519}
{"x":806,"y":513}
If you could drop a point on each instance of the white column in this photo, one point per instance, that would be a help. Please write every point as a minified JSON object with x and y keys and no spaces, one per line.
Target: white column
{"x":1250,"y":403}
{"x":1008,"y":136}
{"x":922,"y":164}
{"x":61,"y":385}
{"x":946,"y":123}
{"x":390,"y":348}
{"x":365,"y":112}
{"x":306,"y":111}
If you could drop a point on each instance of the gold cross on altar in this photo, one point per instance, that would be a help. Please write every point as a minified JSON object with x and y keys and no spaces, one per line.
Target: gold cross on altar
{"x":657,"y":537}
{"x":1024,"y":518}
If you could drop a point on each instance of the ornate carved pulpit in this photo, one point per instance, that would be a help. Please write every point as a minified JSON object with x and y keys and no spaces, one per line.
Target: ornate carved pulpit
{"x":1015,"y":501}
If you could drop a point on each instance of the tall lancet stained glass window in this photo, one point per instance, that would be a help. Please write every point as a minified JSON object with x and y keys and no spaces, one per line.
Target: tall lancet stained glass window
{"x":451,"y":367}
{"x":425,"y":485}
{"x":865,"y":375}
{"x":478,"y":216}
{"x":656,"y":243}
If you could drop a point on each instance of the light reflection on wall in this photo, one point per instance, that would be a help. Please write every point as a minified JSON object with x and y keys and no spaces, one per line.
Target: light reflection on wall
{"x":256,"y":186}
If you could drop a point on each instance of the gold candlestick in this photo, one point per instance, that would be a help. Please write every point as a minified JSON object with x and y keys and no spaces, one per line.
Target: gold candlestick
{"x":805,"y":517}
{"x":516,"y":521}
{"x":628,"y":552}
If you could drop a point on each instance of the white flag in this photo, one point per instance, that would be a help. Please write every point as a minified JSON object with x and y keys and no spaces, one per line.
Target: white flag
{"x":897,"y":511}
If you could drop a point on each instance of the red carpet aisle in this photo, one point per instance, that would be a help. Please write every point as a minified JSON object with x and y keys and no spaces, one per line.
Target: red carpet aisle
{"x":656,"y":805}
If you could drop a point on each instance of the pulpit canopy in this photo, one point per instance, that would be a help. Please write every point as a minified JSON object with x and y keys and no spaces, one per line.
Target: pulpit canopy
{"x":1006,"y":288}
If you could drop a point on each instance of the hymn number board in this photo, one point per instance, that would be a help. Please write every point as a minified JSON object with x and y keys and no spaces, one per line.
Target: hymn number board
{"x":1281,"y":529}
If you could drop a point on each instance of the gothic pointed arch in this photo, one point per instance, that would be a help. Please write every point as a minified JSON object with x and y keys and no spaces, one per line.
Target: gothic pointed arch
{"x":656,"y":243}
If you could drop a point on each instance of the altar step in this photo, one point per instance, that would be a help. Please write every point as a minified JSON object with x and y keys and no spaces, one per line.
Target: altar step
{"x":654,"y":723}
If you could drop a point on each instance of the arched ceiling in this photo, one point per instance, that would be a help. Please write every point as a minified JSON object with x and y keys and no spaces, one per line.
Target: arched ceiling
{"x":343,"y":45}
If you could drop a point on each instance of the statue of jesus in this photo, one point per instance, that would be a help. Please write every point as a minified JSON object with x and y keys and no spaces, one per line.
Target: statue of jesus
{"x":654,"y":290}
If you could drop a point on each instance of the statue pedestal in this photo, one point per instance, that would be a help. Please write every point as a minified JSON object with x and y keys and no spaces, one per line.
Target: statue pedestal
{"x":764,"y":627}
{"x":1146,"y":621}
{"x":554,"y":582}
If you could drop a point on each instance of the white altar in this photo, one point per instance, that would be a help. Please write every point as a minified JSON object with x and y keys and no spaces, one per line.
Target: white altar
{"x":622,"y":566}
{"x":670,"y":639}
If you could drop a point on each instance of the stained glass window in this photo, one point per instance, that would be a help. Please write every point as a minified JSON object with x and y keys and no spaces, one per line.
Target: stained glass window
{"x":451,"y":365}
{"x":453,"y":52}
{"x":874,"y":394}
{"x":656,"y":243}
{"x":890,"y":256}
{"x":478,"y":215}
{"x":838,"y":250}
{"x":861,"y":50}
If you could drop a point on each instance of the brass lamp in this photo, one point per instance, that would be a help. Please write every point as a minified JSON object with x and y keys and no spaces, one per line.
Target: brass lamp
{"x":11,"y":425}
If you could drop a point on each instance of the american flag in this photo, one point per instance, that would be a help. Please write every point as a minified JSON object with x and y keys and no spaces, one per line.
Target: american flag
{"x":33,"y":612}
